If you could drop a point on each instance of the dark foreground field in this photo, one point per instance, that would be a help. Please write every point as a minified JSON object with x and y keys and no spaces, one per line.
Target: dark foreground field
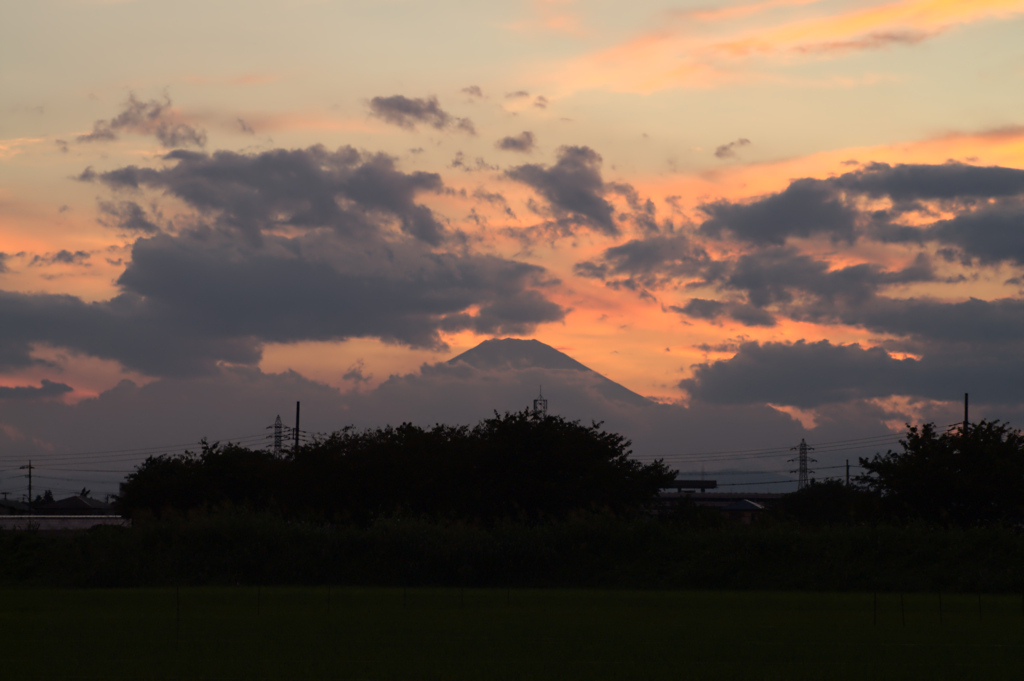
{"x":321,"y":633}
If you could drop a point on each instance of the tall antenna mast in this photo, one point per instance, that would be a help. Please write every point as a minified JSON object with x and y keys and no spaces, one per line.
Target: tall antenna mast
{"x":802,"y":459}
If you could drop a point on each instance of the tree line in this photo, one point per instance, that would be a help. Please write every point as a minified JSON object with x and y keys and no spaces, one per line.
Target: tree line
{"x":517,"y":466}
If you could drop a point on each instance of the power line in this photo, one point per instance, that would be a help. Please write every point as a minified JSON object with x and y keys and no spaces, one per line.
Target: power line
{"x":768,"y":452}
{"x":143,"y":450}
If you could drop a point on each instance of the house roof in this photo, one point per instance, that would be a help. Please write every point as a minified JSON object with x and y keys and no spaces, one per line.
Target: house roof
{"x":14,"y":505}
{"x":75,"y":503}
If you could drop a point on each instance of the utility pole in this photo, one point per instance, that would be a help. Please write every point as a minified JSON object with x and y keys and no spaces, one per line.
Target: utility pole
{"x":802,"y":460}
{"x":965,"y":414}
{"x":29,"y":467}
{"x":296,"y":427}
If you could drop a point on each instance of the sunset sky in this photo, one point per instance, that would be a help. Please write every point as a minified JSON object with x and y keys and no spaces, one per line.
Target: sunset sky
{"x":811,"y":208}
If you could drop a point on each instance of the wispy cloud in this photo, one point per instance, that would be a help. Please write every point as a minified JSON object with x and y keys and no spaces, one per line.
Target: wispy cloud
{"x":155,"y":117}
{"x":554,"y":16}
{"x":676,"y":57}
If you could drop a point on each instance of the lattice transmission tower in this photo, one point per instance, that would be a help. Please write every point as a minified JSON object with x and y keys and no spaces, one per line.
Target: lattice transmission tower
{"x":540,"y":406}
{"x":802,"y":459}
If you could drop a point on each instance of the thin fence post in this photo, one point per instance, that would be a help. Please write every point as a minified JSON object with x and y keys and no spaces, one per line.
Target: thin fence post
{"x":177,"y":613}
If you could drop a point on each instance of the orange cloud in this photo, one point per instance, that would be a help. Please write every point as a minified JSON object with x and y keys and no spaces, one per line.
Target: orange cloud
{"x":674,"y":58}
{"x":550,"y":15}
{"x":15,"y":146}
{"x":909,"y":21}
{"x":739,"y":11}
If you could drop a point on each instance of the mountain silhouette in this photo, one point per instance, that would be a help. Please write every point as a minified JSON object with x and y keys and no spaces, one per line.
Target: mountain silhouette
{"x":503,"y":354}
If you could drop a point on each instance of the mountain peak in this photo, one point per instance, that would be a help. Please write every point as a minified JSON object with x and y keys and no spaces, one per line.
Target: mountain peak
{"x":518,"y":354}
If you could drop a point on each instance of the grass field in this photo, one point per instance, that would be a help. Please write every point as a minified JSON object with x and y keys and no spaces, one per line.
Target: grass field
{"x":349,"y":633}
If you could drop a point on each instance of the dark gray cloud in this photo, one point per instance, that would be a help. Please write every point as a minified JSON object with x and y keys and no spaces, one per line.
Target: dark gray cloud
{"x":368,"y":288}
{"x":283,"y":246}
{"x":407,"y":113}
{"x":642,"y":211}
{"x":990,"y":233}
{"x":809,"y":375}
{"x":651,"y":262}
{"x":245,"y":127}
{"x":473,"y":91}
{"x":541,"y":102}
{"x":783,"y":282}
{"x":154,"y":117}
{"x":4,"y":257}
{"x":235,"y":297}
{"x":312,"y":188}
{"x":909,"y":182}
{"x":990,"y":326}
{"x":127,"y":329}
{"x":806,"y":208}
{"x":46,"y":389}
{"x":495,"y":199}
{"x":61,"y":257}
{"x":126,"y":215}
{"x":355,"y":374}
{"x":523,"y":142}
{"x":518,"y":94}
{"x":782,"y":275}
{"x":810,"y":207}
{"x":744,"y":313}
{"x":729,"y":150}
{"x":573,"y":188}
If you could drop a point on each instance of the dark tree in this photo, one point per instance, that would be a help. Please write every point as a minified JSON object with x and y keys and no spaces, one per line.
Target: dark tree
{"x":955,"y":478}
{"x":213,"y":477}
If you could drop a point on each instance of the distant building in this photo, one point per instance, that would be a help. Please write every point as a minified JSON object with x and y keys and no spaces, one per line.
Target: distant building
{"x":743,"y":508}
{"x":76,"y":505}
{"x":9,"y":507}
